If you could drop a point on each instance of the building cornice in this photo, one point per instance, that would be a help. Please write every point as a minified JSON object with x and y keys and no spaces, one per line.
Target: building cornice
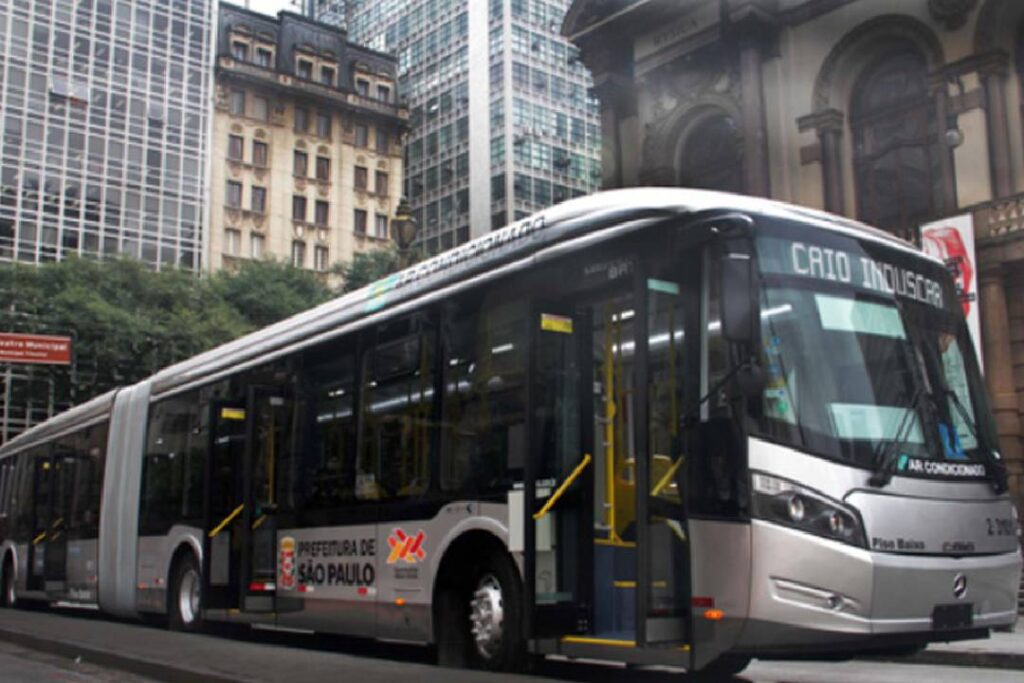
{"x":228,"y":70}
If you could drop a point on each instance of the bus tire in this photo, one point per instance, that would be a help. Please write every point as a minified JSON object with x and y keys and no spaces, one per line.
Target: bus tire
{"x":184,"y":602}
{"x":493,"y":615}
{"x":9,"y":596}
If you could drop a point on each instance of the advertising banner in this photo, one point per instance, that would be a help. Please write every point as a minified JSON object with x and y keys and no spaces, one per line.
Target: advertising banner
{"x":952,"y":240}
{"x":34,"y":349}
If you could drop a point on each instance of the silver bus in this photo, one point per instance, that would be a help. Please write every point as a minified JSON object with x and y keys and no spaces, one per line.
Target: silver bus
{"x":656,"y":426}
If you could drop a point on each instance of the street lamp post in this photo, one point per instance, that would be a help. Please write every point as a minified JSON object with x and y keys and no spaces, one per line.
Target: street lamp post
{"x":403,"y":230}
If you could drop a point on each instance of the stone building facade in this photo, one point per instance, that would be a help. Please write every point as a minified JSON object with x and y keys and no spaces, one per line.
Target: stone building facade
{"x":896,"y":113}
{"x":307,"y":143}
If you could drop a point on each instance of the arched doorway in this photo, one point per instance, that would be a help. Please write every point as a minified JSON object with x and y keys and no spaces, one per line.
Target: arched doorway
{"x":896,"y":145}
{"x":712,"y":157}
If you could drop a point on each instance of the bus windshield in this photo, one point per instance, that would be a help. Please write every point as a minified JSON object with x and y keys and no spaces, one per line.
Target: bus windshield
{"x":866,"y":349}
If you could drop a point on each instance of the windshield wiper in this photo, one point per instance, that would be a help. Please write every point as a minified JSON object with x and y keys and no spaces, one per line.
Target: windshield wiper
{"x":995,"y":468}
{"x":886,"y":454}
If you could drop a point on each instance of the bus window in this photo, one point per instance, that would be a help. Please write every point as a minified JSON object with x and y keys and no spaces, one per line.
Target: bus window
{"x":21,"y":498}
{"x":85,"y":506}
{"x":172,"y":472}
{"x":322,"y":476}
{"x":398,"y":414}
{"x":483,"y":428}
{"x":5,"y":481}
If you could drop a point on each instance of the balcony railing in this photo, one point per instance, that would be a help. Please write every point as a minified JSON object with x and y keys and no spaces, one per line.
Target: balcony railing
{"x":1000,"y":218}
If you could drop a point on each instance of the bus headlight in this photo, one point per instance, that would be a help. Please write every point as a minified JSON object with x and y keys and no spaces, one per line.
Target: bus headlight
{"x":784,"y":502}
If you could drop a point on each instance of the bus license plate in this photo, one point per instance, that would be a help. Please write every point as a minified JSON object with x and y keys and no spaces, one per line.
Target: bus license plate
{"x":945,"y":617}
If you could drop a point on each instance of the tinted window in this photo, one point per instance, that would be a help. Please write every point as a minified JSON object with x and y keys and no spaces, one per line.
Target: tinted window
{"x":172,"y":474}
{"x":398,"y":413}
{"x":484,"y":410}
{"x":322,"y":475}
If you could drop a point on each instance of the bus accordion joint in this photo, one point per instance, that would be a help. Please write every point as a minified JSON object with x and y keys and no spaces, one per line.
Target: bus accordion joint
{"x":227,"y":520}
{"x":561,"y":489}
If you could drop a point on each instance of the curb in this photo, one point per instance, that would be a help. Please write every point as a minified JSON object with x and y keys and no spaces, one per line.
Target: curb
{"x":160,"y":671}
{"x":979,"y":660}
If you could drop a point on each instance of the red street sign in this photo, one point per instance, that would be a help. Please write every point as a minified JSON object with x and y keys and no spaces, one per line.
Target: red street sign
{"x":35,"y":348}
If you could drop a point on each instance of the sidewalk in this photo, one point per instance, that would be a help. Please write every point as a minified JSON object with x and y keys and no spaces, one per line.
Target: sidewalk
{"x":185,"y":658}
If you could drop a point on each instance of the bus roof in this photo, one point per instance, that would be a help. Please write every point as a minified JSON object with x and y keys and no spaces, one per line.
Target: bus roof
{"x":82,"y":414}
{"x":608,"y":212}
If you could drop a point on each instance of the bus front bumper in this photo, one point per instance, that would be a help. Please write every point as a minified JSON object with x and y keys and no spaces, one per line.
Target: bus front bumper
{"x":805,"y":588}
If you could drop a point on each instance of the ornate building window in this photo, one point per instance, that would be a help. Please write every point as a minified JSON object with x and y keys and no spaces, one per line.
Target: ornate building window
{"x":896,"y":147}
{"x":712,"y":156}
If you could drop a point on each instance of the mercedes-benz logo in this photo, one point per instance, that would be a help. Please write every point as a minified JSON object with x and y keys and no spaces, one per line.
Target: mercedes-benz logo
{"x":959,"y":586}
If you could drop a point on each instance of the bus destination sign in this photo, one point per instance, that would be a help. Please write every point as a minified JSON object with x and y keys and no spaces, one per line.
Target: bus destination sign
{"x":34,"y":349}
{"x":855,"y":269}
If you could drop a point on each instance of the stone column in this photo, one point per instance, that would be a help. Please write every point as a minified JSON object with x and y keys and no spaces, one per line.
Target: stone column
{"x":999,"y":369}
{"x":611,"y":150}
{"x":614,"y":87}
{"x":755,"y":137}
{"x":992,"y":76}
{"x":829,"y":126}
{"x":941,"y":97}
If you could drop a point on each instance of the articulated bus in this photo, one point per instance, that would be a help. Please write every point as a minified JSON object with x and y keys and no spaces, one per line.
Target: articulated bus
{"x":653,"y":426}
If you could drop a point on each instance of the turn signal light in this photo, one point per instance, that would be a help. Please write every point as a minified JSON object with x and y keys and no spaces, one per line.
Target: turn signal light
{"x":714,"y":614}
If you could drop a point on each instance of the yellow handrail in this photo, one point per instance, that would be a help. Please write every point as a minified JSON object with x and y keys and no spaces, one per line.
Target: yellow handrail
{"x":227,"y":520}
{"x":666,"y":479}
{"x":561,"y":489}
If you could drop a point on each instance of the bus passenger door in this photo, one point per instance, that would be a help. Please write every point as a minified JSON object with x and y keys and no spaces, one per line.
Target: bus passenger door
{"x":42,"y":503}
{"x":558,"y":504}
{"x":667,"y":368}
{"x":62,"y":473}
{"x":224,"y":504}
{"x":268,"y":435}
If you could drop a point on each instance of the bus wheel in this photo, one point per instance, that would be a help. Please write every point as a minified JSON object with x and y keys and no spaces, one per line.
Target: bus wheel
{"x":9,"y":597}
{"x":185,"y":608}
{"x":495,"y":607}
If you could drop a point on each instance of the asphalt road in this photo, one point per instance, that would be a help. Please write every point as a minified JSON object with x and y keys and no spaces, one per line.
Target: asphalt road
{"x":21,"y":665}
{"x":240,"y":654}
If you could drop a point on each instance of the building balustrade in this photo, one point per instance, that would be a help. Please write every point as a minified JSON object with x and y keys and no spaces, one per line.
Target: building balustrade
{"x":998,"y":219}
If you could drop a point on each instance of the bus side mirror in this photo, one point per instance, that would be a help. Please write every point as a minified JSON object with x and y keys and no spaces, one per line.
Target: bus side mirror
{"x":741,"y":295}
{"x":741,"y":314}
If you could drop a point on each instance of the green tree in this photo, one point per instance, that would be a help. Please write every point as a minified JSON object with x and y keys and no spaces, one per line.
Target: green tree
{"x":370,"y":266}
{"x":264,"y":292}
{"x":127,"y":321}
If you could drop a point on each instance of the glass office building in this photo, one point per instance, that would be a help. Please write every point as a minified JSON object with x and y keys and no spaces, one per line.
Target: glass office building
{"x":104,"y":111}
{"x":502,"y":123}
{"x":104,"y":106}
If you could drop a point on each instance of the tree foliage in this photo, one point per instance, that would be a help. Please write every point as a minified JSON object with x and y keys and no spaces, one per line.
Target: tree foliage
{"x":127,"y":321}
{"x":369,"y":266}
